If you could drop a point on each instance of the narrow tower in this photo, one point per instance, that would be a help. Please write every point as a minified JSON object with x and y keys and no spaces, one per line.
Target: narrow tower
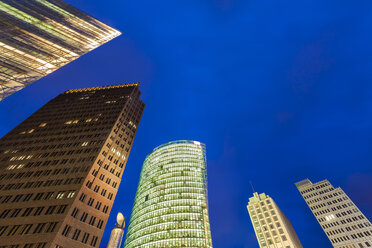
{"x":272,"y":228}
{"x":39,"y":36}
{"x":60,"y":169}
{"x":171,"y":204}
{"x":341,"y":220}
{"x":117,"y":232}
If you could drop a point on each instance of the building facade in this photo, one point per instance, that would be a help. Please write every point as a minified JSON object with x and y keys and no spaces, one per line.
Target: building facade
{"x":60,"y":169}
{"x":341,"y":220}
{"x":171,"y":204}
{"x":39,"y":36}
{"x":272,"y":227}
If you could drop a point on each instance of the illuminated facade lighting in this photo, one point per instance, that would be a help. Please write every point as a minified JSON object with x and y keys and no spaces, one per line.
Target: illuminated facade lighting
{"x":59,"y":182}
{"x":272,"y":227}
{"x":38,"y":37}
{"x":171,"y":205}
{"x":343,"y":223}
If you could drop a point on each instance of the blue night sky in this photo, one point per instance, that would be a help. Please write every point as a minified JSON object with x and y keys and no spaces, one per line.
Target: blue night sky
{"x":279,"y":91}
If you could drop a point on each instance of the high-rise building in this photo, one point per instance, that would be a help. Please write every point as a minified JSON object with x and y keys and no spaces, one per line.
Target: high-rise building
{"x":341,"y":220}
{"x":60,"y":169}
{"x":117,"y":232}
{"x":171,"y":204}
{"x":39,"y":36}
{"x":272,"y":227}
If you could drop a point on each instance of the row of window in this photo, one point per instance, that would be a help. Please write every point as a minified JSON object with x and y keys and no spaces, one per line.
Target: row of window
{"x":67,"y":232}
{"x":91,"y":201}
{"x":38,"y":196}
{"x":84,"y":216}
{"x":38,"y":184}
{"x":28,"y":245}
{"x":47,"y":227}
{"x":13,"y":213}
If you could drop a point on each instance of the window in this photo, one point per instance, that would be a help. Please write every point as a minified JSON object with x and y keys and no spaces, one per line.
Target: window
{"x":60,"y":195}
{"x":66,"y":230}
{"x":61,"y":209}
{"x":27,"y":211}
{"x":100,"y":223}
{"x":2,"y":230}
{"x":83,"y":217}
{"x":71,"y":194}
{"x":76,"y":234}
{"x":14,"y":230}
{"x":51,"y":227}
{"x":74,"y":212}
{"x":94,"y":241}
{"x":26,"y":229}
{"x":50,"y":210}
{"x":39,"y":228}
{"x":5,"y":213}
{"x":92,"y":220}
{"x":85,"y":238}
{"x":15,"y":213}
{"x":38,"y":211}
{"x":48,"y":195}
{"x":82,"y":197}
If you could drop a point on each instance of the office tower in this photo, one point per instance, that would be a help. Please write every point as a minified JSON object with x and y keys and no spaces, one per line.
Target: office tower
{"x":117,"y":233}
{"x":171,"y":203}
{"x":60,"y":169}
{"x":39,"y":36}
{"x":342,"y":221}
{"x":272,"y":228}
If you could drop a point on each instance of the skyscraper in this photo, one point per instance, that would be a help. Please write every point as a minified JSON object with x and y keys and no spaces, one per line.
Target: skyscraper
{"x":272,"y":228}
{"x":60,"y":169}
{"x":39,"y":36}
{"x":171,"y":204}
{"x":341,"y":220}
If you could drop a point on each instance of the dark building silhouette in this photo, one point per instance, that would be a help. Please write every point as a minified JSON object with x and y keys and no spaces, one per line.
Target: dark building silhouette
{"x":60,"y":169}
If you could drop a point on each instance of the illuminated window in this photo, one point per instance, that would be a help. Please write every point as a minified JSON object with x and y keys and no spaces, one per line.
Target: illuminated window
{"x":71,"y":194}
{"x":85,"y":143}
{"x":43,"y":124}
{"x":60,"y":195}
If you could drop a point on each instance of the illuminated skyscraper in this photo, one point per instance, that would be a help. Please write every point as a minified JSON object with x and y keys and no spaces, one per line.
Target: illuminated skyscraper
{"x":39,"y":36}
{"x":272,"y":228}
{"x":171,"y":206}
{"x":61,"y":168}
{"x":341,"y":220}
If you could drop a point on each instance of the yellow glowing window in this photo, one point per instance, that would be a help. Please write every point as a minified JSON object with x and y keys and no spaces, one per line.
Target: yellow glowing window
{"x":31,"y":131}
{"x":88,"y":120}
{"x":43,"y":124}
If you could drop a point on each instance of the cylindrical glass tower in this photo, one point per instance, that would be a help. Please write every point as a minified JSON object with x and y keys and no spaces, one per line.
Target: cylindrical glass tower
{"x":171,"y":205}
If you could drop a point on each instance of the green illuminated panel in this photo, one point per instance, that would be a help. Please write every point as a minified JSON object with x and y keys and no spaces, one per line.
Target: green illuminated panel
{"x":171,"y":207}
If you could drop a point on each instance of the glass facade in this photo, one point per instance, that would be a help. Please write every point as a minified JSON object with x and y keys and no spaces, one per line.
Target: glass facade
{"x":171,"y":205}
{"x":39,"y":36}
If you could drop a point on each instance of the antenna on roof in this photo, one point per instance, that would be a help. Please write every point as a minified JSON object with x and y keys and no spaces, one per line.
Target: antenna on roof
{"x":252,"y":186}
